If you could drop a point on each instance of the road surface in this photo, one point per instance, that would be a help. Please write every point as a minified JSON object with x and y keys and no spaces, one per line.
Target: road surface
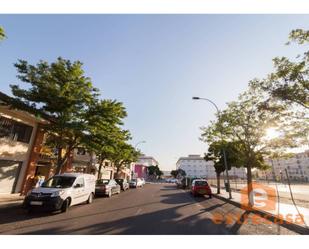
{"x":155,"y":209}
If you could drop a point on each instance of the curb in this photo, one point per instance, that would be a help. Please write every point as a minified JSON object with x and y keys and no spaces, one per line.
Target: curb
{"x":291,"y":226}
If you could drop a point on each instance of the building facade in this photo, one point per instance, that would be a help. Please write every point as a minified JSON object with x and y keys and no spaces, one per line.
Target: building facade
{"x":20,"y":138}
{"x":296,"y":166}
{"x":140,"y":167}
{"x":197,"y":166}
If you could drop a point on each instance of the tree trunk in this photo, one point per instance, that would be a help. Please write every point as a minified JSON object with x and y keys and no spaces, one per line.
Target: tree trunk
{"x":218,"y":183}
{"x":100,"y":169}
{"x":249,"y":185}
{"x":59,"y":161}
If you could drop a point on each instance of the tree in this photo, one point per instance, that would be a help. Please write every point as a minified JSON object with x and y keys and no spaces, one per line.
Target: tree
{"x":2,"y":34}
{"x":154,"y":171}
{"x":124,"y":155}
{"x":60,"y":90}
{"x":245,"y":123}
{"x":233,"y":157}
{"x":286,"y":91}
{"x":290,"y":80}
{"x":104,"y":134}
{"x":174,"y":173}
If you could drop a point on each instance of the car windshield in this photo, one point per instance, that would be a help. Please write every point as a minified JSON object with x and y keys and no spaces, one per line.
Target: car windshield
{"x":102,"y":181}
{"x":201,"y":183}
{"x":59,"y":182}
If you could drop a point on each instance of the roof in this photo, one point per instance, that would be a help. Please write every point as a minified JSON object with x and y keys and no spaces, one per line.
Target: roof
{"x":15,"y":103}
{"x":190,"y":157}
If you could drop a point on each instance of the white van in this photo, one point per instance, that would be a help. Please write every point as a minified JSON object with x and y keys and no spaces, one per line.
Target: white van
{"x":61,"y":191}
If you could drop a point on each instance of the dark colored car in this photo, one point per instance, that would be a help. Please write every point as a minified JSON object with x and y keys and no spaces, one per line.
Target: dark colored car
{"x":200,"y":187}
{"x":107,"y":187}
{"x":123,"y":184}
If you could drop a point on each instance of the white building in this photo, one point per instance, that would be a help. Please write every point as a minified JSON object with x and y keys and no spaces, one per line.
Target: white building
{"x":196,"y":166}
{"x":147,"y":161}
{"x":296,"y":166}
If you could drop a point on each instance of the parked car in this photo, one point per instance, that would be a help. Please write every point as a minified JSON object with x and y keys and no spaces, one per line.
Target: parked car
{"x":124,"y":185}
{"x":143,"y":181}
{"x":200,"y":187}
{"x":107,"y":187}
{"x":173,"y":180}
{"x":60,"y":192}
{"x":135,"y":183}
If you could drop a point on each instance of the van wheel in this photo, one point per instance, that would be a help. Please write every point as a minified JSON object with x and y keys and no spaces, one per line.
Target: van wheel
{"x":65,"y":206}
{"x":90,"y":199}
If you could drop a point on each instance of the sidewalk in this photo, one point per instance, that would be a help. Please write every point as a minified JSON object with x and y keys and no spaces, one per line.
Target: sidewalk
{"x":8,"y":200}
{"x":283,"y":208}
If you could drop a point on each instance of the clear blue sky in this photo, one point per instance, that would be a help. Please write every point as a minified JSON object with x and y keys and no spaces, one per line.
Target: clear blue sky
{"x":154,"y":64}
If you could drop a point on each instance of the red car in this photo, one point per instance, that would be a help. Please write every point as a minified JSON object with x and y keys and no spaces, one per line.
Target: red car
{"x":200,"y":187}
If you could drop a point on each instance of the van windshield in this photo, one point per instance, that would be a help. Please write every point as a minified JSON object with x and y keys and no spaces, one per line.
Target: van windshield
{"x":59,"y":182}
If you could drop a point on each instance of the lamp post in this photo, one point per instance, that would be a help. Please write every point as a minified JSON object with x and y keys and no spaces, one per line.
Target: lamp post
{"x":223,"y":150}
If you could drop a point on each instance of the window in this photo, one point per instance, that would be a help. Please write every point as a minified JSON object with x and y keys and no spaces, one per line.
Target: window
{"x":80,"y":181}
{"x":106,"y":164}
{"x":15,"y":130}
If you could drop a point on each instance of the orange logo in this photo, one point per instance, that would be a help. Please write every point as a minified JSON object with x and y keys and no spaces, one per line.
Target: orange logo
{"x":262,"y":197}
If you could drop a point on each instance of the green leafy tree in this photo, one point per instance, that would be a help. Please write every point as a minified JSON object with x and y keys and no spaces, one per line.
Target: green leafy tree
{"x":154,"y":171}
{"x":159,"y":174}
{"x":215,"y":154}
{"x":286,"y":90}
{"x":104,"y":129}
{"x":246,"y":124}
{"x":2,"y":34}
{"x":61,"y":91}
{"x":290,"y":80}
{"x":124,"y":155}
{"x":174,"y":173}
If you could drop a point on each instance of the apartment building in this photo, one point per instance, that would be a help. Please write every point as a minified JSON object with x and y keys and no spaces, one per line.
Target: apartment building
{"x":196,"y":166}
{"x":297,"y":168}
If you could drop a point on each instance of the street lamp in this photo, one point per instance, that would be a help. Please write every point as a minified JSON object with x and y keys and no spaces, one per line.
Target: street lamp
{"x":223,"y":150}
{"x":140,"y":142}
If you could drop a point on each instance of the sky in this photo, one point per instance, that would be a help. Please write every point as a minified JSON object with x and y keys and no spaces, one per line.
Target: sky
{"x":154,"y":64}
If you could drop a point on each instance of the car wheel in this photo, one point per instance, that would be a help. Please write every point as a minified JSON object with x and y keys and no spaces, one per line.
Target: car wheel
{"x":65,"y":206}
{"x":29,"y":210}
{"x":90,"y":199}
{"x":210,"y":196}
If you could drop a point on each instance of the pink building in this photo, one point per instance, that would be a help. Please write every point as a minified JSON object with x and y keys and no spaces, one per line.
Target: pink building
{"x":140,"y":168}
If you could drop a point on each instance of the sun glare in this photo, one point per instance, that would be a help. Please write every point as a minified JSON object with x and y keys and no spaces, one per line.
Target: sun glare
{"x":272,"y":133}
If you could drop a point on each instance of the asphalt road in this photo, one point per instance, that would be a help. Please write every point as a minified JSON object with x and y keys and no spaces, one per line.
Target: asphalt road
{"x":155,"y":209}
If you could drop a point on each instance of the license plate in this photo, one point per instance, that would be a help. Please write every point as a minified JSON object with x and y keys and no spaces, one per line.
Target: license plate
{"x":202,"y":191}
{"x":36,"y":203}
